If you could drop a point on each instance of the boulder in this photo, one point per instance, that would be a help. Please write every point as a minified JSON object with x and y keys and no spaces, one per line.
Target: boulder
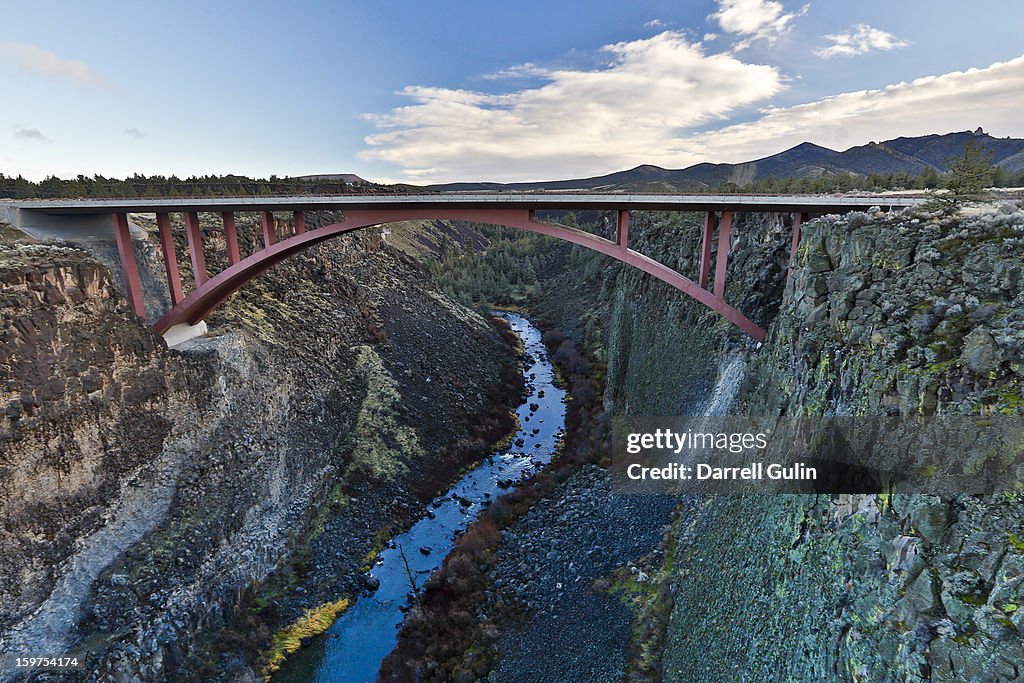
{"x":981,"y":354}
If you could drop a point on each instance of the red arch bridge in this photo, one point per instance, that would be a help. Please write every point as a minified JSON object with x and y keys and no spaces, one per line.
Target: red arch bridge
{"x":64,"y":217}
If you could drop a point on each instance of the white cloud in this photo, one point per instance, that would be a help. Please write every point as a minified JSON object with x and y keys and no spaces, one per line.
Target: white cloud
{"x":858,"y":40}
{"x":388,"y":180}
{"x":642,"y":109}
{"x":960,"y":100}
{"x":33,"y":134}
{"x":528,"y":70}
{"x":655,"y":23}
{"x":708,"y":37}
{"x":754,"y":18}
{"x":37,"y":60}
{"x":577,"y":121}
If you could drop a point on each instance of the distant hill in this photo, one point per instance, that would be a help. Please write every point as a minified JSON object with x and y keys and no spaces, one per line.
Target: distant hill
{"x":902,"y":155}
{"x":351,"y":178}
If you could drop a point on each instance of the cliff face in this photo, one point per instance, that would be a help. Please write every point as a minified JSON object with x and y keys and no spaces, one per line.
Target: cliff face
{"x":142,"y":489}
{"x":905,"y":314}
{"x":900,"y":314}
{"x":661,"y":347}
{"x":81,"y":417}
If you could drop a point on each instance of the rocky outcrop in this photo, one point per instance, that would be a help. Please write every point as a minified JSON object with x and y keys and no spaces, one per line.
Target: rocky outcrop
{"x":901,"y":314}
{"x":144,"y":489}
{"x":907,"y":314}
{"x":886,"y":314}
{"x":81,"y":419}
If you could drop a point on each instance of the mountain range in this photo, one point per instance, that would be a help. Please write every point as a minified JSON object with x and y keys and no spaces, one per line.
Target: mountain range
{"x":912,"y":155}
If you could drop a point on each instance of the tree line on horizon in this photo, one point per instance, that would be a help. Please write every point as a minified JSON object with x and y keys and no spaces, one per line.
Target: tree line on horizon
{"x":973,"y":166}
{"x":929,"y":179}
{"x":100,"y":187}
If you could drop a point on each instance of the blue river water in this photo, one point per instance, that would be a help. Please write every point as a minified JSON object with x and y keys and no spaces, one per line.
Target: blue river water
{"x":356,"y":644}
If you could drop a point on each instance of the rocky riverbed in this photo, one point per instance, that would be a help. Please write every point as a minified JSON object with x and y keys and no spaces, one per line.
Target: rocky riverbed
{"x":556,"y":617}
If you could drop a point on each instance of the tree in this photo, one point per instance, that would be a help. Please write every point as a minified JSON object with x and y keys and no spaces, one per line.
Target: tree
{"x":969,"y":175}
{"x":929,"y":178}
{"x":1000,"y":177}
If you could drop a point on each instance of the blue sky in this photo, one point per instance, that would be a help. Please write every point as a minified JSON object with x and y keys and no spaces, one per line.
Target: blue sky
{"x":439,"y":91}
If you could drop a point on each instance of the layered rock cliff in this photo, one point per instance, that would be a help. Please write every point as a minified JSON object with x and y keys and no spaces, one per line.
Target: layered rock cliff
{"x":144,"y":490}
{"x":902,"y":314}
{"x":907,"y":313}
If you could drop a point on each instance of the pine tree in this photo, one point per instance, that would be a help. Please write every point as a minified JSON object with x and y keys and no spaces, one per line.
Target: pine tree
{"x":969,"y":175}
{"x":929,"y":178}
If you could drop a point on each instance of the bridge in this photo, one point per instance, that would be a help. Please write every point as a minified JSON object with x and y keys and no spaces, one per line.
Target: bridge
{"x":75,"y":217}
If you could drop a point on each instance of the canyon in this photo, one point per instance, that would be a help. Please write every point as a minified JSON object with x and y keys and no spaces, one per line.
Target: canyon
{"x":167,"y":510}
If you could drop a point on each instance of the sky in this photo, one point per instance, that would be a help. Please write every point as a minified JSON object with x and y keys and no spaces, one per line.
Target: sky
{"x":440,"y":91}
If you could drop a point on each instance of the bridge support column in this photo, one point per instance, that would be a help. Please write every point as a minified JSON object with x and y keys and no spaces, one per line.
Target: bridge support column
{"x":622,"y":230}
{"x":798,"y":219}
{"x":722,"y":257}
{"x":163,"y":222}
{"x":299,"y":221}
{"x":705,"y":249}
{"x":231,"y":237}
{"x":132,"y":283}
{"x":195,"y":247}
{"x":269,"y":228}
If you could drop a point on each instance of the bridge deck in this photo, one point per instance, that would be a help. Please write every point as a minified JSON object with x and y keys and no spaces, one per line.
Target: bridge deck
{"x":560,"y":201}
{"x":84,"y":219}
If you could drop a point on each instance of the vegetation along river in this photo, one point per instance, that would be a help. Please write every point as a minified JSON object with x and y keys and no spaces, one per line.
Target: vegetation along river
{"x":355,"y":645}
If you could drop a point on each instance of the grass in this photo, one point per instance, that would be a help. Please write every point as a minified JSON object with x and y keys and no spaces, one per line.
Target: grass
{"x":651,"y":602}
{"x":313,"y":622}
{"x":380,"y":442}
{"x":336,"y":500}
{"x":380,"y":541}
{"x":1017,"y":542}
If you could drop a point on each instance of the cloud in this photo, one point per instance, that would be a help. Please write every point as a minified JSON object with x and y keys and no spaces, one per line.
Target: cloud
{"x":754,"y":18}
{"x":655,"y":23}
{"x":858,"y":40}
{"x":134,"y":133}
{"x":575,"y":121}
{"x":645,"y":105}
{"x":959,"y":100}
{"x":33,"y":59}
{"x":30,"y":134}
{"x":528,"y":70}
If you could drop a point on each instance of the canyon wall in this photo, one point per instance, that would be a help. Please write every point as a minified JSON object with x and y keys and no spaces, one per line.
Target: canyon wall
{"x":901,"y":314}
{"x":145,"y":490}
{"x":886,"y":314}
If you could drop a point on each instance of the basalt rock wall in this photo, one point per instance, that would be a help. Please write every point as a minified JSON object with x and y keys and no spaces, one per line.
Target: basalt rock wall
{"x":905,"y":313}
{"x":901,"y":314}
{"x":142,"y":488}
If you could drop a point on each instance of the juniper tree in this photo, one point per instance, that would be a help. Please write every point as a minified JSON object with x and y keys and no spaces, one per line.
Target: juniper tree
{"x":968,"y":176}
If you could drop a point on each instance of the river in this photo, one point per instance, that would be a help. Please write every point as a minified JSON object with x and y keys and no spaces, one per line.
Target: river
{"x":356,"y":644}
